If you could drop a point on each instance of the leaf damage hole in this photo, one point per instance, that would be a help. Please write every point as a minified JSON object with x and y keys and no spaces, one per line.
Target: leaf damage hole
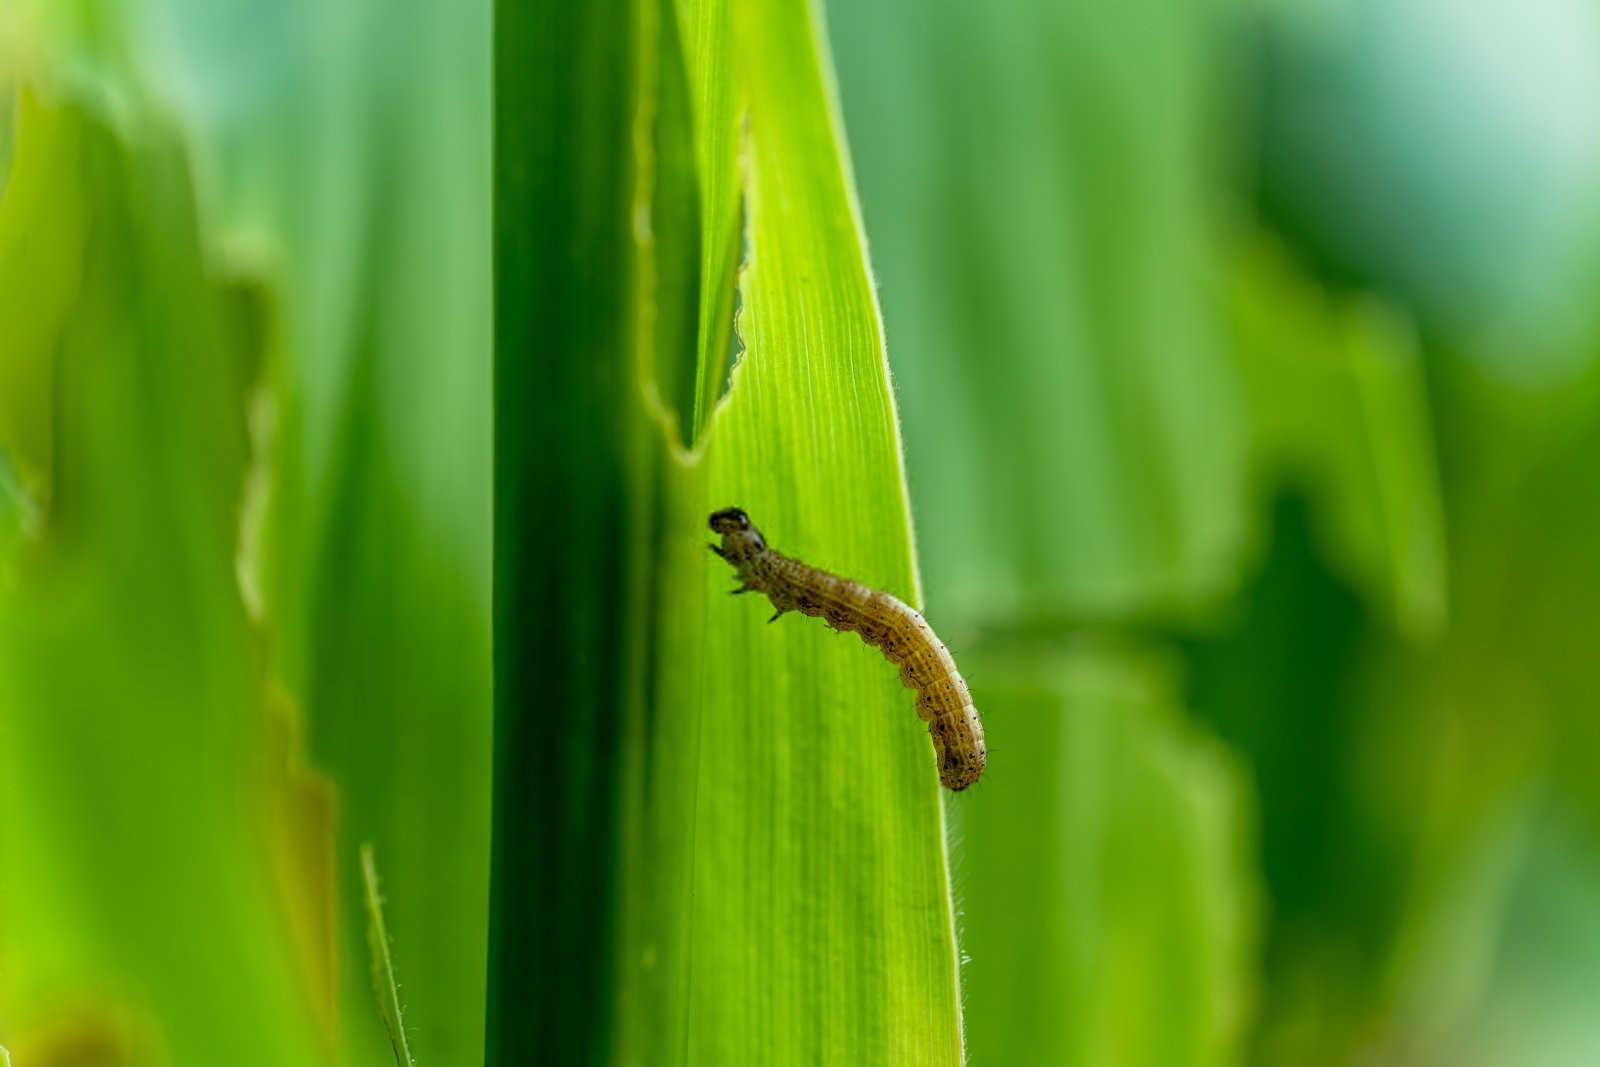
{"x":717,"y":379}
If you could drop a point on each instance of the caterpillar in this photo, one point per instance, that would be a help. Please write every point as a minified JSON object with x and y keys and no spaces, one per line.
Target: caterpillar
{"x":883,"y":621}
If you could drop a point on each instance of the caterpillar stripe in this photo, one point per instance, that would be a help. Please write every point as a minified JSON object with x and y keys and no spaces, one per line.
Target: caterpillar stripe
{"x":883,"y":621}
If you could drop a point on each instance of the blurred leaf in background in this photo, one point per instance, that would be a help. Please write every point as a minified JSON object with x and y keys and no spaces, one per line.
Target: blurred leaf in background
{"x":1204,"y":326}
{"x":343,"y":154}
{"x":347,"y":147}
{"x":149,"y":870}
{"x":1338,"y":407}
{"x":1041,"y":185}
{"x":1441,"y":156}
{"x":1106,"y":872}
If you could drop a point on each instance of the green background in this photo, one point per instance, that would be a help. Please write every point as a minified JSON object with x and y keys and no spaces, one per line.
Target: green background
{"x":1219,"y":380}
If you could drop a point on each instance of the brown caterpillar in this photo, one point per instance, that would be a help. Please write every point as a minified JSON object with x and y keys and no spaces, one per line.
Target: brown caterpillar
{"x":882,"y":620}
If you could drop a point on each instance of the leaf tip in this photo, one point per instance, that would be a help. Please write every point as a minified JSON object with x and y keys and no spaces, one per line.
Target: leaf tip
{"x":383,"y":981}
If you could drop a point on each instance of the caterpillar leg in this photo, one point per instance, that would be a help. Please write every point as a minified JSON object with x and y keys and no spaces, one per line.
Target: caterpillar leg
{"x":718,"y":550}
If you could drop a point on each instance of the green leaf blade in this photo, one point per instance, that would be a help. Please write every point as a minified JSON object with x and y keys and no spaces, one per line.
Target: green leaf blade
{"x":149,"y":884}
{"x":1107,"y":890}
{"x":773,"y":887}
{"x":384,"y":986}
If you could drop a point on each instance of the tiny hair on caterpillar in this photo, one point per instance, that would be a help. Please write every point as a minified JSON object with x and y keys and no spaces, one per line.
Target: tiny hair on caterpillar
{"x":883,"y":621}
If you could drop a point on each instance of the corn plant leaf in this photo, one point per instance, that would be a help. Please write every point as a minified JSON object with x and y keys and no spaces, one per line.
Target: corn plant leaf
{"x":384,"y":985}
{"x":1108,"y":898}
{"x":1075,"y":432}
{"x":151,"y":881}
{"x":696,"y":812}
{"x":358,"y":171}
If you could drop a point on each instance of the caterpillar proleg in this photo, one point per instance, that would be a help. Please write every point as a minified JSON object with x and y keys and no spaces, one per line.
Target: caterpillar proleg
{"x":884,"y":621}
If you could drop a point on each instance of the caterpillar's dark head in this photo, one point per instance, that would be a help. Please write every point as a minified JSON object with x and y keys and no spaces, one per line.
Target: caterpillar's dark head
{"x":740,"y":539}
{"x":729,"y":520}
